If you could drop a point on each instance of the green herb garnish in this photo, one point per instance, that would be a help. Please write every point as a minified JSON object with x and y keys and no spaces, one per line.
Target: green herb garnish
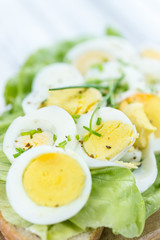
{"x":98,"y":121}
{"x":107,"y":98}
{"x":75,"y":117}
{"x":110,"y":31}
{"x":31,"y":133}
{"x":54,"y":137}
{"x":77,"y":137}
{"x":19,"y":152}
{"x":98,"y":66}
{"x":68,"y":138}
{"x":85,"y":138}
{"x":62,"y":144}
{"x":92,"y":131}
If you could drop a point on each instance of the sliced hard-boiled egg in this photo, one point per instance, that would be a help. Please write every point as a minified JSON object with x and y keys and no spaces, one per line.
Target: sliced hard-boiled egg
{"x":86,"y":54}
{"x":146,"y":174}
{"x":113,"y":70}
{"x":75,"y":101}
{"x":56,"y":75}
{"x":48,"y":185}
{"x":53,"y":76}
{"x":46,"y":126}
{"x":149,"y":65}
{"x":150,"y":52}
{"x":134,"y":155}
{"x":135,"y":112}
{"x":114,"y":135}
{"x":151,"y":104}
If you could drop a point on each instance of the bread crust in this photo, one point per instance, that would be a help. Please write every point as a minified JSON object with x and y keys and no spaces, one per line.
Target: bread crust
{"x":12,"y":232}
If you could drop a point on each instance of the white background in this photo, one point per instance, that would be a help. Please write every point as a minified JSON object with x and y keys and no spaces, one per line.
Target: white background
{"x":26,"y":25}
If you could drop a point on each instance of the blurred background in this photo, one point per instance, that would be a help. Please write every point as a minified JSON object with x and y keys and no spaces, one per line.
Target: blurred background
{"x":26,"y":25}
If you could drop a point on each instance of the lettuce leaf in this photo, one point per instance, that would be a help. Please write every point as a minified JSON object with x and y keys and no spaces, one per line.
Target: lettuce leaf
{"x":152,"y":195}
{"x":115,"y":202}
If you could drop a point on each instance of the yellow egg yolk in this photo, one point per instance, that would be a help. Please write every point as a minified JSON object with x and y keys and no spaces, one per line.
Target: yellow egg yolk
{"x":115,"y":136}
{"x":151,"y":105}
{"x":38,"y":139}
{"x":135,"y":112}
{"x":75,"y":101}
{"x":53,"y":180}
{"x":151,"y":53}
{"x":84,"y":62}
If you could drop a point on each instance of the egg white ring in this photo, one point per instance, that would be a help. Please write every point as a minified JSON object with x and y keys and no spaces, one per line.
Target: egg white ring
{"x":29,"y":210}
{"x":106,"y":114}
{"x":51,"y":118}
{"x":115,"y":47}
{"x":146,"y":175}
{"x":56,"y":75}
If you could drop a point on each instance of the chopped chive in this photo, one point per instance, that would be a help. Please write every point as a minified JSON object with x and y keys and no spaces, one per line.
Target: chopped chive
{"x":75,"y":117}
{"x":99,"y":66}
{"x":31,"y":133}
{"x":98,"y":121}
{"x":85,"y":138}
{"x":62,"y":144}
{"x":77,"y":137}
{"x":19,"y":152}
{"x":68,"y":138}
{"x":92,"y":131}
{"x":54,"y":137}
{"x":44,"y":101}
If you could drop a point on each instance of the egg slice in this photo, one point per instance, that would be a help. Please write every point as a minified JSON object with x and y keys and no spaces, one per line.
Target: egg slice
{"x":99,"y":50}
{"x":75,"y":101}
{"x":117,"y":135}
{"x":52,"y":76}
{"x":113,"y":70}
{"x":56,"y":75}
{"x":146,"y":174}
{"x":149,"y":65}
{"x":151,"y":104}
{"x":47,"y":126}
{"x":48,"y":185}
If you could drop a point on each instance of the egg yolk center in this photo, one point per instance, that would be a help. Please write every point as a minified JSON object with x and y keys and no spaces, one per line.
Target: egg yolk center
{"x":53,"y":180}
{"x":75,"y":101}
{"x":84,"y":62}
{"x":115,"y":136}
{"x":151,"y":105}
{"x":27,"y":141}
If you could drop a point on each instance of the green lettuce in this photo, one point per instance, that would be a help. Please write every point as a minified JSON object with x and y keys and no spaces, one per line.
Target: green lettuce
{"x":152,"y":195}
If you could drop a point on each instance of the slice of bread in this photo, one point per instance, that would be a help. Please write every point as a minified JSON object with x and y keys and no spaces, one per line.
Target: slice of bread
{"x":12,"y":232}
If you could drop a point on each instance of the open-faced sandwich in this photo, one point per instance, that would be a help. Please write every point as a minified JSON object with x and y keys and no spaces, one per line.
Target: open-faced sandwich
{"x":79,"y":146}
